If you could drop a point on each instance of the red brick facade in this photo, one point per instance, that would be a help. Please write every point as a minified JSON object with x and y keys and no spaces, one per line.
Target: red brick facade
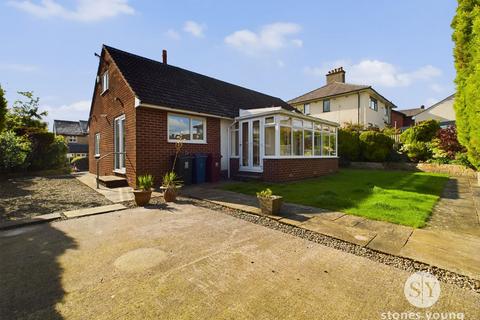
{"x":119,"y":99}
{"x":281,"y":170}
{"x":154,"y":154}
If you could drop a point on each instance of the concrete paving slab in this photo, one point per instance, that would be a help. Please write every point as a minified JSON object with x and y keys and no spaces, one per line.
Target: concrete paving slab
{"x":448,"y":250}
{"x":390,"y":237}
{"x":349,"y":220}
{"x":38,"y":219}
{"x":94,"y":210}
{"x":351,"y":234}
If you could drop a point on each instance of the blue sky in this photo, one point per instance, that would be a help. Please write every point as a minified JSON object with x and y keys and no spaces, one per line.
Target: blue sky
{"x":283,"y":48}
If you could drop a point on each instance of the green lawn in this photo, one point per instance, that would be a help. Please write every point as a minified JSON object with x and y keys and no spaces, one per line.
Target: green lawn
{"x":395,"y":196}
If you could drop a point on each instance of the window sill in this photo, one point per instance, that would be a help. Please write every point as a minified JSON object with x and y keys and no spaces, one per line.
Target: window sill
{"x":120,"y":171}
{"x":300,"y":157}
{"x":188,"y":142}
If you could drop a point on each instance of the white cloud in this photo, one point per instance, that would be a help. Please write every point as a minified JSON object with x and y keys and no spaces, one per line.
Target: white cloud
{"x":437,"y":88}
{"x":194,"y":28}
{"x":75,"y":111}
{"x":84,"y":10}
{"x":172,"y":34}
{"x":280,"y":63}
{"x":376,"y":72}
{"x":271,"y":37}
{"x":17,"y":67}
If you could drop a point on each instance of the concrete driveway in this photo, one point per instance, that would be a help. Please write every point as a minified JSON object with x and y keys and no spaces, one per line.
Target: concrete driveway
{"x":193,"y":263}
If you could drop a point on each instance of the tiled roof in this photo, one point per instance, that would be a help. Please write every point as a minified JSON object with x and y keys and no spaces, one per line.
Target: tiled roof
{"x":70,"y":128}
{"x":412,"y":112}
{"x":165,"y":85}
{"x":331,"y":89}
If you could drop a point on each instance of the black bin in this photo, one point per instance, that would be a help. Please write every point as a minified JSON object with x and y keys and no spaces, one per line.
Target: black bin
{"x":200,"y":168}
{"x":184,"y":168}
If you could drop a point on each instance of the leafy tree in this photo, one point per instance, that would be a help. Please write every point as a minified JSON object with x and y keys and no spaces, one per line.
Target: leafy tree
{"x":25,"y":116}
{"x":375,"y":146}
{"x":425,"y":131}
{"x":3,"y":109}
{"x":466,"y":36}
{"x":14,"y":151}
{"x":348,"y":145}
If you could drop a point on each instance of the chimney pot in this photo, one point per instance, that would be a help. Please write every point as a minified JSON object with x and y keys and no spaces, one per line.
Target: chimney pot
{"x":164,"y":56}
{"x":336,"y":75}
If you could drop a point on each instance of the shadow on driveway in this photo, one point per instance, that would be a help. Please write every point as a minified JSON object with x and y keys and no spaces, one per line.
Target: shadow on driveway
{"x":30,"y":272}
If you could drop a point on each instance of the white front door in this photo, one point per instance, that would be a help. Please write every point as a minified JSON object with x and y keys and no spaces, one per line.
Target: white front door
{"x":250,"y":145}
{"x":119,"y":137}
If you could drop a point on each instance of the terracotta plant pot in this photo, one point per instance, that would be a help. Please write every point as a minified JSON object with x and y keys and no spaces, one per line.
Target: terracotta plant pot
{"x":142,"y":197}
{"x":170,"y":194}
{"x":270,"y":205}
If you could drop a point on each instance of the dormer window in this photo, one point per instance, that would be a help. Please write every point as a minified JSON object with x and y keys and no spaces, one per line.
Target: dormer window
{"x":105,"y":82}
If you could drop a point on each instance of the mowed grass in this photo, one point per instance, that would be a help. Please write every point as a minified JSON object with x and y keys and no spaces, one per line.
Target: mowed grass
{"x":400,"y":197}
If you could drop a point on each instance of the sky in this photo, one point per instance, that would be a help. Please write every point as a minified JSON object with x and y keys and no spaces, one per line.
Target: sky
{"x":282,"y":48}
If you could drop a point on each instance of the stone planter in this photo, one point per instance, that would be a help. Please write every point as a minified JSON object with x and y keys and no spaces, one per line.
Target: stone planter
{"x":270,"y":205}
{"x":169,"y":194}
{"x":142,"y":197}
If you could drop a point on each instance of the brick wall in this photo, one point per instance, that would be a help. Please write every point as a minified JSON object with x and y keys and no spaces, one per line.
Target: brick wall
{"x":118,"y":100}
{"x":281,"y":170}
{"x":155,"y":152}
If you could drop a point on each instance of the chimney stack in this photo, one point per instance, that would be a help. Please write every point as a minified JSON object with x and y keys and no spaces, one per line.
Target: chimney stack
{"x":164,"y":56}
{"x":336,"y":75}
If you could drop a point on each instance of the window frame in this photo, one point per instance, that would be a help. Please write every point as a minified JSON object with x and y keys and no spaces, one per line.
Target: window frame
{"x":190,"y":117}
{"x":105,"y":81}
{"x":323,"y":105}
{"x":96,"y":144}
{"x":375,"y":104}
{"x":306,"y":107}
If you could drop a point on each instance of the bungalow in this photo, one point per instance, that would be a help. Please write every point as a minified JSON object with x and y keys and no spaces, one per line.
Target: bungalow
{"x":441,"y":111}
{"x":142,"y":107}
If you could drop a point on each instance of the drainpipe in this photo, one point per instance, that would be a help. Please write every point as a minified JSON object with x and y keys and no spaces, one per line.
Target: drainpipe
{"x":358,"y":107}
{"x":229,"y":147}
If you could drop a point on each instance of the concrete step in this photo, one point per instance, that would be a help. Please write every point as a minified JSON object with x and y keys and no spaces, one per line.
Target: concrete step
{"x":245,"y":177}
{"x":94,"y":210}
{"x":113,"y":181}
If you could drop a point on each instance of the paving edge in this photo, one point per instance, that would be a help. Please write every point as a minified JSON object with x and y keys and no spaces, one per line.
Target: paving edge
{"x":50,"y":217}
{"x":404,"y":263}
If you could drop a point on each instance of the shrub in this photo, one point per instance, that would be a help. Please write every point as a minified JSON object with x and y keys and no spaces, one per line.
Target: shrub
{"x":424,"y":131}
{"x":267,"y":193}
{"x":462,"y":159}
{"x":81,"y":163}
{"x":348,"y":145}
{"x":417,"y":150}
{"x":447,"y":142}
{"x":14,"y":151}
{"x":145,"y":182}
{"x":48,"y":151}
{"x":375,"y":146}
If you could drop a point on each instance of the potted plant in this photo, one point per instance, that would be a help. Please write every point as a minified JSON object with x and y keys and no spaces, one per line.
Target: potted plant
{"x":269,"y":203}
{"x":170,"y":186}
{"x":144,"y":191}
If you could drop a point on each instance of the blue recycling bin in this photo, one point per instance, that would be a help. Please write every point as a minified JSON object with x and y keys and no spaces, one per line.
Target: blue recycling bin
{"x":199,"y":168}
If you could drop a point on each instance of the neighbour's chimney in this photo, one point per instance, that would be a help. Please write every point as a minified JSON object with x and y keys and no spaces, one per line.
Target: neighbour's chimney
{"x":336,"y":75}
{"x":422,"y":107}
{"x":164,"y":56}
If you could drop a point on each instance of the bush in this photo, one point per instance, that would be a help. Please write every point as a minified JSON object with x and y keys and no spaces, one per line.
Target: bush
{"x":348,"y":145}
{"x":424,"y":131}
{"x":14,"y":151}
{"x":461,"y":158}
{"x":80,"y":163}
{"x":48,"y":151}
{"x":447,"y":142}
{"x":417,"y":150}
{"x":375,"y":146}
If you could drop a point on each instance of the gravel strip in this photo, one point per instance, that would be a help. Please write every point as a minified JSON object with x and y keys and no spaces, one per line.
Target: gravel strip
{"x":402,"y":263}
{"x":28,"y":197}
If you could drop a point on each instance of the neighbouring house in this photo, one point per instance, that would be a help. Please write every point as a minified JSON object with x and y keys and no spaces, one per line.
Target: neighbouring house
{"x":142,"y":107}
{"x":343,"y":102}
{"x":75,"y":134}
{"x":441,"y":111}
{"x":398,"y":120}
{"x":408,"y":116}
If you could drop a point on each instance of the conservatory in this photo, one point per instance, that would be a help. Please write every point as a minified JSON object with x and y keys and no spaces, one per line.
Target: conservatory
{"x":274,"y":141}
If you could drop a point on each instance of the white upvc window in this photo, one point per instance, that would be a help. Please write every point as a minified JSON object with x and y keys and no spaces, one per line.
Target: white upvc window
{"x":188,"y":129}
{"x":234,"y":142}
{"x":97,"y":144}
{"x":373,"y":104}
{"x":306,"y":108}
{"x":105,"y":82}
